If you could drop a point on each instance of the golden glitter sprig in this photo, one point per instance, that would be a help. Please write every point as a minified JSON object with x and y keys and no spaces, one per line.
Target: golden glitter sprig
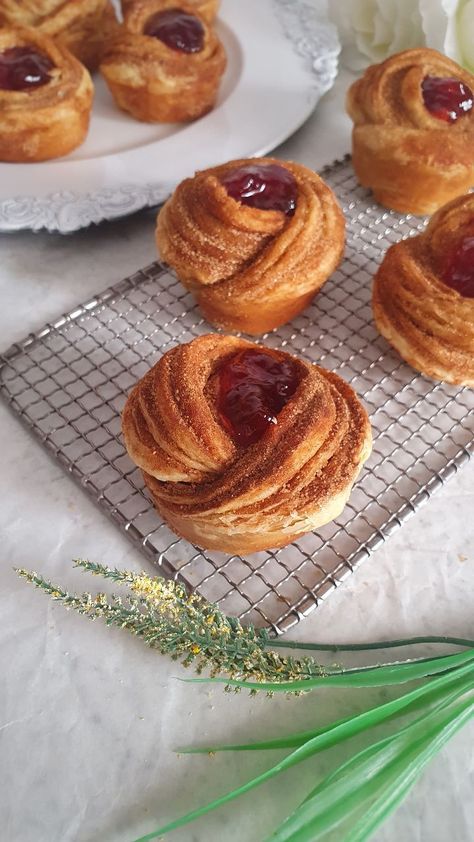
{"x":188,"y":628}
{"x":184,"y":626}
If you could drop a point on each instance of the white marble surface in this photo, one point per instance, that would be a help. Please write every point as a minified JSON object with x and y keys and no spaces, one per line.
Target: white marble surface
{"x":88,"y":716}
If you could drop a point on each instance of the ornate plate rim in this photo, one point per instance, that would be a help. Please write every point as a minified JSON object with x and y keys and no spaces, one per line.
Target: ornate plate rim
{"x":306,"y":30}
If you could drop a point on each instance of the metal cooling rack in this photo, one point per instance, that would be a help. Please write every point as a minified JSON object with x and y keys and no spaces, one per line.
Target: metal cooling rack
{"x":69,"y":381}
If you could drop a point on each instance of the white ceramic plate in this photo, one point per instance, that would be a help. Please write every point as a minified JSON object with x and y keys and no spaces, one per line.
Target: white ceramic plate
{"x":281,"y":58}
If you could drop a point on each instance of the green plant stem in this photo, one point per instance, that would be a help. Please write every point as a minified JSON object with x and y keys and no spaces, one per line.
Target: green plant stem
{"x":435,"y":690}
{"x":364,"y":789}
{"x":392,"y":795}
{"x":397,"y":673}
{"x":385,"y":769}
{"x":332,"y":736}
{"x":366,"y":647}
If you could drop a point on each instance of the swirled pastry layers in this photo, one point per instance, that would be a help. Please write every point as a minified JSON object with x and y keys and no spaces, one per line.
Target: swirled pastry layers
{"x":155,"y":82}
{"x":430,"y":323}
{"x":413,"y":160}
{"x":50,"y":120}
{"x":207,"y":9}
{"x":83,"y":26}
{"x":251,"y":269}
{"x":296,"y":477}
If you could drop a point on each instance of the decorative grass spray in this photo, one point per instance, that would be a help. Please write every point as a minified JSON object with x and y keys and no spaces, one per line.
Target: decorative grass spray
{"x":359,"y":794}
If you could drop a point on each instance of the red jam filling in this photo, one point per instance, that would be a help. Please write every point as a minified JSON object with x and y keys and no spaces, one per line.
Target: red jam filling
{"x":447,"y":99}
{"x":177,"y":29}
{"x":459,"y":271}
{"x":263,"y":186}
{"x":254,"y":387}
{"x":22,"y":68}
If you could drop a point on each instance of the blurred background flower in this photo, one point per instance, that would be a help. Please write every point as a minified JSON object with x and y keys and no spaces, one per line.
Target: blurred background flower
{"x":371,"y":30}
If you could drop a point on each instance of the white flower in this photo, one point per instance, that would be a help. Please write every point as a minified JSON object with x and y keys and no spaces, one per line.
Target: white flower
{"x":371,"y":30}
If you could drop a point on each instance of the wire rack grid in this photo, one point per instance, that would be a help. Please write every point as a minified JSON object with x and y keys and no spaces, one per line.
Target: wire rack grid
{"x":68,"y":384}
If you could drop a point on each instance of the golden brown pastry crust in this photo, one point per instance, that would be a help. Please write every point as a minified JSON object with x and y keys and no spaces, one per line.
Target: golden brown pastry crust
{"x":206,"y":9}
{"x":51,"y":120}
{"x":155,"y":83}
{"x":251,"y":269}
{"x":297,"y":477}
{"x":413,"y":161}
{"x":428,"y":323}
{"x":83,"y":26}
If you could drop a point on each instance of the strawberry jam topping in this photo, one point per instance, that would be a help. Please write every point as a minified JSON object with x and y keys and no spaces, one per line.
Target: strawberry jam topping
{"x":459,"y":270}
{"x":254,"y":387}
{"x":177,"y":29}
{"x":22,"y":68}
{"x":263,"y":186}
{"x":447,"y":99}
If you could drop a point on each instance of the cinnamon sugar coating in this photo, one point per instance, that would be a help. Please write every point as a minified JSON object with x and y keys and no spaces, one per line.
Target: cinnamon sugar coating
{"x":413,"y":161}
{"x":206,"y":9}
{"x":51,"y":120}
{"x":428,"y":323}
{"x":83,"y":26}
{"x":155,"y":83}
{"x":297,"y":477}
{"x":251,"y":269}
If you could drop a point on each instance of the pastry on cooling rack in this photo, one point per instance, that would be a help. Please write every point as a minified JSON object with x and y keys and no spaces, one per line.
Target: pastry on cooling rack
{"x":253,"y":239}
{"x":243,"y":447}
{"x":45,"y":97}
{"x":423,"y":296}
{"x":167,"y":63}
{"x":207,"y":9}
{"x":83,"y":26}
{"x":413,"y":137}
